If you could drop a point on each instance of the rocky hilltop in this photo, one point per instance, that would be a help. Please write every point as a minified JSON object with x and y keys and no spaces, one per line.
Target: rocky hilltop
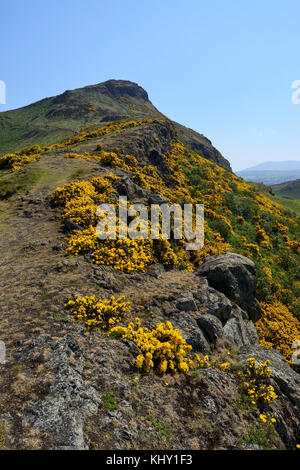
{"x":51,"y":119}
{"x":139,"y":344}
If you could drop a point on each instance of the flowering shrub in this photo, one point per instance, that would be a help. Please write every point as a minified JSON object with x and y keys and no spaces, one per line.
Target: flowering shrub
{"x":267,"y":418}
{"x":15,"y":161}
{"x":124,"y":255}
{"x":74,"y":190}
{"x":82,"y":211}
{"x":278,"y":328}
{"x":97,"y":312}
{"x":163,"y":348}
{"x":255,"y":382}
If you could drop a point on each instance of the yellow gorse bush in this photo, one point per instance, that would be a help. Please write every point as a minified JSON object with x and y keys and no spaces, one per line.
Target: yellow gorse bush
{"x":99,"y":313}
{"x":267,"y":418}
{"x":255,"y":382}
{"x":74,"y":190}
{"x":278,"y":328}
{"x":15,"y":161}
{"x":80,"y":199}
{"x":79,"y":202}
{"x":163,"y":349}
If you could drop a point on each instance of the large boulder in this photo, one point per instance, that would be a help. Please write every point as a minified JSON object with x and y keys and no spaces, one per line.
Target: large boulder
{"x":233,"y":275}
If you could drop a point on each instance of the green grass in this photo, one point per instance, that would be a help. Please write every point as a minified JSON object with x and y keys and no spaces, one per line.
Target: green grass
{"x":290,"y":189}
{"x":290,"y":204}
{"x":289,"y":200}
{"x":259,"y":435}
{"x":41,"y":176}
{"x":163,"y":428}
{"x":19,"y":182}
{"x":109,"y":401}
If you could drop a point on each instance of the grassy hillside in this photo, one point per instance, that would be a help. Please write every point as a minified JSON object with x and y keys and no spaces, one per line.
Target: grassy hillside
{"x":289,"y":189}
{"x":278,"y":194}
{"x":237,"y":216}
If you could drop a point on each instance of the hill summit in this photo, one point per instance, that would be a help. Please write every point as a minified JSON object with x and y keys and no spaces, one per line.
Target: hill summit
{"x":59,"y":117}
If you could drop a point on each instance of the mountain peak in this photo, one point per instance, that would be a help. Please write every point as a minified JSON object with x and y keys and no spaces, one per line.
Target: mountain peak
{"x":112,"y":88}
{"x":59,"y":117}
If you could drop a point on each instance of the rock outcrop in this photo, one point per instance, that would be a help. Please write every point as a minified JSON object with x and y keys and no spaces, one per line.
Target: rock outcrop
{"x":234,"y":276}
{"x":224,"y":304}
{"x":63,"y":412}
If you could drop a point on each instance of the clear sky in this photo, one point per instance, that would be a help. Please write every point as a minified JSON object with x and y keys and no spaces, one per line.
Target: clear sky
{"x":221,"y":67}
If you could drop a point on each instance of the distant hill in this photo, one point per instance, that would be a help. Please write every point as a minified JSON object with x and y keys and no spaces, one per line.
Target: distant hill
{"x":290,"y":189}
{"x":272,"y":172}
{"x":276,"y":166}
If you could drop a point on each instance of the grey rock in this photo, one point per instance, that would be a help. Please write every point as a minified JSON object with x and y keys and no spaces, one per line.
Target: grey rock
{"x":234,"y":276}
{"x":211,"y":326}
{"x":63,"y":412}
{"x":125,"y":434}
{"x":128,"y":188}
{"x":106,"y":423}
{"x":240,"y":332}
{"x":154,"y":198}
{"x":126,"y":405}
{"x":65,"y":448}
{"x":186,"y":303}
{"x":210,"y":404}
{"x":251,"y":447}
{"x":156,"y":270}
{"x":190,"y":331}
{"x":215,"y":302}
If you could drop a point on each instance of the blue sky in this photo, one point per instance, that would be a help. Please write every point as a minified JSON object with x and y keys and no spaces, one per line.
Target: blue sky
{"x":223,"y":68}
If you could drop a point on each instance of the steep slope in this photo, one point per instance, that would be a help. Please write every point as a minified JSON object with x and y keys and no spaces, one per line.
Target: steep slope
{"x":133,"y":381}
{"x":53,"y":119}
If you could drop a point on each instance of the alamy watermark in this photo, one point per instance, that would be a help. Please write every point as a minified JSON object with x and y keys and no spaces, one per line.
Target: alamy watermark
{"x":164,"y":221}
{"x":296,"y":94}
{"x":2,"y":352}
{"x":2,"y":92}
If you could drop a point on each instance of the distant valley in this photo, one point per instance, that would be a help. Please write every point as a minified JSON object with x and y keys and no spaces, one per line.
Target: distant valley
{"x":272,"y":172}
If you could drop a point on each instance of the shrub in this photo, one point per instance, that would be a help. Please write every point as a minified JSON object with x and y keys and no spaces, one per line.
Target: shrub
{"x":74,"y":190}
{"x":278,"y":328}
{"x":255,"y":382}
{"x":163,"y":348}
{"x":97,"y":312}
